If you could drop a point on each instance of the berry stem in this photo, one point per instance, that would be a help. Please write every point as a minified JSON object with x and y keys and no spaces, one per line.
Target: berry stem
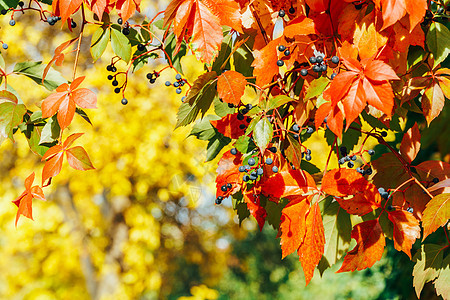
{"x":77,"y":55}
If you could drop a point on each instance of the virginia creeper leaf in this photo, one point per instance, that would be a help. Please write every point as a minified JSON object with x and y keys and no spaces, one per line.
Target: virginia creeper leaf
{"x":436,"y":214}
{"x":406,"y":230}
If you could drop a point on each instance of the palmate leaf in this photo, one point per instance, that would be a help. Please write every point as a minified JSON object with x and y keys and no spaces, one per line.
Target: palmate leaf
{"x":428,"y":264}
{"x":436,"y":214}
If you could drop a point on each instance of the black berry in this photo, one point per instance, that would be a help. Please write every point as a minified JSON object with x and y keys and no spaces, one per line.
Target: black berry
{"x":312,"y":60}
{"x":287,"y":52}
{"x":229,"y":185}
{"x":12,"y":22}
{"x":230,"y":105}
{"x":21,"y":4}
{"x":240,"y":117}
{"x":113,"y":69}
{"x":73,"y":24}
{"x":223,"y":188}
{"x":319,"y":59}
{"x":350,"y":164}
{"x":3,"y":11}
{"x":384,"y":134}
{"x":368,"y":171}
{"x":233,"y":151}
{"x":323,"y":68}
{"x":251,"y":161}
{"x":153,"y":80}
{"x":281,"y":48}
{"x":281,"y":13}
{"x":308,"y":157}
{"x":316,"y":68}
{"x":333,"y":75}
{"x":109,"y":68}
{"x":273,"y":149}
{"x":119,"y":21}
{"x":304,"y":72}
{"x":292,"y":10}
{"x":435,"y":180}
{"x":117,"y":90}
{"x":126,"y":31}
{"x":124,"y":101}
{"x":242,"y":126}
{"x":141,"y":47}
{"x":440,"y":10}
{"x":371,"y":152}
{"x":115,"y":83}
{"x":280,"y":63}
{"x":335,"y":60}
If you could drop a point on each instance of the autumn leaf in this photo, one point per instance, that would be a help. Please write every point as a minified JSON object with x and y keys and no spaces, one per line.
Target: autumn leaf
{"x":299,"y":26}
{"x":229,"y":126}
{"x":255,"y":208}
{"x":406,"y":230}
{"x":265,"y":63}
{"x":24,"y":201}
{"x":64,"y":102}
{"x":369,"y":248}
{"x":58,"y":57}
{"x":433,"y":101}
{"x":231,"y":86}
{"x":227,"y":11}
{"x":65,"y":8}
{"x":228,"y":172}
{"x":410,"y":145}
{"x":436,"y":214}
{"x":428,"y":263}
{"x":126,"y":8}
{"x":76,"y":157}
{"x":288,"y":183}
{"x":293,"y":224}
{"x":311,"y":249}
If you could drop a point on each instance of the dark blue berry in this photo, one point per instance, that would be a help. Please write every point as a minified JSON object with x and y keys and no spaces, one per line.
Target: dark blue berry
{"x":178,"y":77}
{"x":246,"y":178}
{"x":309,"y":130}
{"x":280,"y":63}
{"x":410,"y":209}
{"x":115,"y":83}
{"x":149,"y":76}
{"x":73,"y":24}
{"x":126,"y":31}
{"x":281,"y":13}
{"x":223,"y":188}
{"x":435,"y":180}
{"x":384,"y":134}
{"x":176,"y":84}
{"x":117,"y":90}
{"x":168,"y":83}
{"x":316,"y":68}
{"x":178,"y":91}
{"x":275,"y":169}
{"x":323,"y":68}
{"x":303,"y":72}
{"x":229,"y":185}
{"x":281,"y":48}
{"x":242,"y":126}
{"x":368,"y":171}
{"x":141,"y":47}
{"x":350,"y":164}
{"x":335,"y":60}
{"x":287,"y":53}
{"x":241,"y":169}
{"x":251,"y":161}
{"x":319,"y":59}
{"x":110,"y":77}
{"x":354,"y":157}
{"x":333,"y":75}
{"x":240,"y":117}
{"x":308,"y":157}
{"x":233,"y":151}
{"x":5,"y":46}
{"x":273,"y":149}
{"x":292,"y":10}
{"x":12,"y":22}
{"x":269,"y":161}
{"x":371,"y":152}
{"x":312,"y":60}
{"x":259,"y":172}
{"x":119,"y":21}
{"x":124,"y":101}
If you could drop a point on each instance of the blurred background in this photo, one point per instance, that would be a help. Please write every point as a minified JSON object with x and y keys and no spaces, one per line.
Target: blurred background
{"x":143,"y":225}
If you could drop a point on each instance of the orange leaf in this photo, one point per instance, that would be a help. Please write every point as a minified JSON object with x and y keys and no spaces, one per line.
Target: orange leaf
{"x":416,"y":10}
{"x":206,"y":34}
{"x":229,"y":126}
{"x":227,"y":11}
{"x":436,"y":214}
{"x":127,"y":8}
{"x":287,"y":183}
{"x":299,"y":26}
{"x":71,"y":139}
{"x":432,"y":101}
{"x":406,"y":230}
{"x":312,"y":247}
{"x":65,"y":8}
{"x":369,"y":248}
{"x":51,"y":104}
{"x":58,"y":57}
{"x":393,"y":10}
{"x":343,"y":182}
{"x":24,"y":201}
{"x":171,"y":11}
{"x":228,"y":172}
{"x":66,"y":112}
{"x":52,"y":152}
{"x":354,"y":102}
{"x":339,"y":86}
{"x":293,"y":226}
{"x":379,"y":96}
{"x":410,"y":145}
{"x":377,"y":70}
{"x":231,"y":87}
{"x":52,"y":167}
{"x":79,"y":159}
{"x":84,"y":98}
{"x":98,"y":7}
{"x":265,"y":63}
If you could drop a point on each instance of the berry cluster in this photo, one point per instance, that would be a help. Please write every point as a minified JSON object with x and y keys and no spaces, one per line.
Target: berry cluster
{"x":383,"y":193}
{"x":282,"y":13}
{"x":152,"y":77}
{"x":53,"y":19}
{"x":286,"y":52}
{"x":349,"y":159}
{"x":177,"y":84}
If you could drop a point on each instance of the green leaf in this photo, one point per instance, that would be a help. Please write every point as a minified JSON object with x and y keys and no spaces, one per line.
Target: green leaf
{"x":34,"y":138}
{"x":442,"y":282}
{"x":35,"y":70}
{"x":277,"y":102}
{"x":170,"y":44}
{"x":5,"y":4}
{"x":438,"y":42}
{"x":203,"y":129}
{"x":428,"y":262}
{"x":274,"y":212}
{"x":224,"y":53}
{"x":309,"y":167}
{"x":252,"y":125}
{"x":221,"y":108}
{"x":83,"y":114}
{"x":99,"y":42}
{"x":243,"y":59}
{"x":216,"y":144}
{"x":50,"y":132}
{"x":263,"y":134}
{"x":244,"y":144}
{"x":317,"y":87}
{"x":337,"y":227}
{"x":198,"y":100}
{"x":120,"y":45}
{"x":240,"y":206}
{"x":11,"y":115}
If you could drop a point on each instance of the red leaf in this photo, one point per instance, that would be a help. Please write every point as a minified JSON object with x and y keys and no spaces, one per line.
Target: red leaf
{"x":416,"y":10}
{"x":369,"y":248}
{"x":436,"y":214}
{"x":393,"y":10}
{"x":354,"y":102}
{"x":52,"y":166}
{"x":379,"y":71}
{"x":410,"y":145}
{"x":66,"y":112}
{"x":228,"y":172}
{"x":406,"y":230}
{"x":229,"y":126}
{"x":312,"y":247}
{"x":51,"y":104}
{"x":293,"y":224}
{"x":339,"y":86}
{"x":379,"y":96}
{"x":318,"y":5}
{"x":265,"y":63}
{"x":287,"y":183}
{"x":79,"y":159}
{"x":24,"y":201}
{"x":257,"y":211}
{"x":231,"y":87}
{"x":98,"y":7}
